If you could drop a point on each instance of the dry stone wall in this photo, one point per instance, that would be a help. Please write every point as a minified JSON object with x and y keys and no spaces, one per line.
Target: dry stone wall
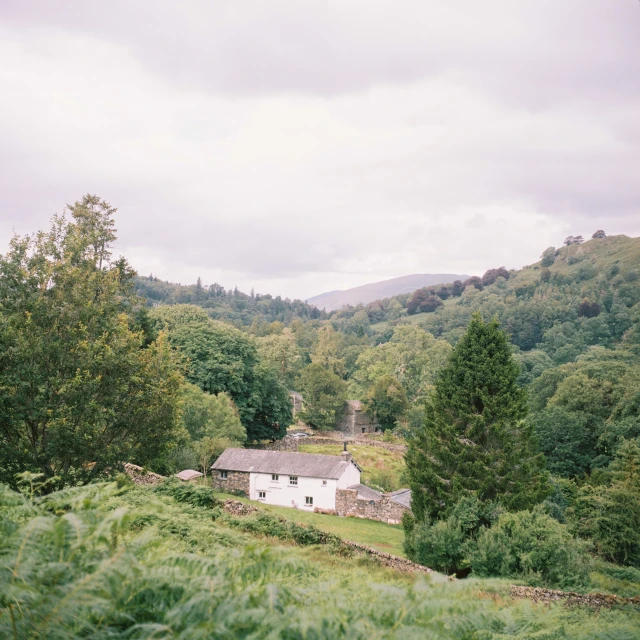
{"x":570,"y":598}
{"x":139,"y":476}
{"x":235,"y":482}
{"x":385,"y":510}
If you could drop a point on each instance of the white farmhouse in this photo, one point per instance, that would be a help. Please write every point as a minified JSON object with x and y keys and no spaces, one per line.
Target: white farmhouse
{"x":305,"y":481}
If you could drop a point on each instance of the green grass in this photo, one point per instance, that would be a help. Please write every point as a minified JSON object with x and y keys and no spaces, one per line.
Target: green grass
{"x":383,"y":470}
{"x":378,"y":535}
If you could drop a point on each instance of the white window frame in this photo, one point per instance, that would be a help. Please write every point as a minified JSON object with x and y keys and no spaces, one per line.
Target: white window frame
{"x":324,"y":483}
{"x":293,"y":481}
{"x":262,"y":495}
{"x":275,"y":477}
{"x":222,"y":475}
{"x":308,"y":501}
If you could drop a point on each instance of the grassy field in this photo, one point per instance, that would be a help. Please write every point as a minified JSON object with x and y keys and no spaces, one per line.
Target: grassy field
{"x":383,"y":537}
{"x":383,"y":470}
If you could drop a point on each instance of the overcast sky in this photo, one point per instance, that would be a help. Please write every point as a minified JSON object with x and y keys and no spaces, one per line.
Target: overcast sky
{"x":298,"y":147}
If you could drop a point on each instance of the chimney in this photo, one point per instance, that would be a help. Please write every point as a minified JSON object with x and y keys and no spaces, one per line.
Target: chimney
{"x":345,"y":455}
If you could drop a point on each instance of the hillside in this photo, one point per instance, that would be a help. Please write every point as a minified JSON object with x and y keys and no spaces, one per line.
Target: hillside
{"x":364,"y":294}
{"x":139,"y":562}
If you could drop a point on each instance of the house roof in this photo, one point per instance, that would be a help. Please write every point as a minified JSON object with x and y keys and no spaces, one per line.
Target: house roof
{"x":189,"y":474}
{"x":366,"y":493}
{"x":401,"y":497}
{"x":310,"y":465}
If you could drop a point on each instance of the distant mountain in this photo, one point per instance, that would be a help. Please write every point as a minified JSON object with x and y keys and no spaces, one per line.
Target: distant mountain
{"x":379,"y":290}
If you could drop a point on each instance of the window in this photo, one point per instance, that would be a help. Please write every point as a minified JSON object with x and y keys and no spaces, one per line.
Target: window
{"x":293,"y":480}
{"x":308,"y":501}
{"x":364,"y":430}
{"x":223,"y":475}
{"x":262,"y":495}
{"x":324,"y":483}
{"x":275,"y":477}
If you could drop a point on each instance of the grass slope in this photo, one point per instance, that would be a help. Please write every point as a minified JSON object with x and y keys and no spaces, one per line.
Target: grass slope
{"x":383,"y":470}
{"x":99,"y":563}
{"x":379,"y":535}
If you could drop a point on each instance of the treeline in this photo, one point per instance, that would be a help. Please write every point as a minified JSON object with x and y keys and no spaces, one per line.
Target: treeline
{"x":228,"y":305}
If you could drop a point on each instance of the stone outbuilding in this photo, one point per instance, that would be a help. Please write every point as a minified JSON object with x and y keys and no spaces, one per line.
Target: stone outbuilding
{"x":353,"y":419}
{"x":189,"y":475}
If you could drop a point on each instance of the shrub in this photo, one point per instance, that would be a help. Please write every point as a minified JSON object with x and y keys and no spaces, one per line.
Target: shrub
{"x":446,"y":544}
{"x":531,"y":546}
{"x":188,"y":493}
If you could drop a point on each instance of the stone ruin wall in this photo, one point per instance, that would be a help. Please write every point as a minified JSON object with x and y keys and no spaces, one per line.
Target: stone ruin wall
{"x":385,"y":510}
{"x":235,"y":482}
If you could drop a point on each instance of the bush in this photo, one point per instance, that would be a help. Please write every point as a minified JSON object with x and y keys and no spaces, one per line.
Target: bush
{"x":277,"y":527}
{"x":188,"y":493}
{"x":446,"y":544}
{"x":531,"y":546}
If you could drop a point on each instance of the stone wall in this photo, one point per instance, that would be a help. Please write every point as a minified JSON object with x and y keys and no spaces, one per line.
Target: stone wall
{"x":236,"y":481}
{"x":139,"y":476}
{"x":570,"y":598}
{"x":289,"y":443}
{"x":385,"y":510}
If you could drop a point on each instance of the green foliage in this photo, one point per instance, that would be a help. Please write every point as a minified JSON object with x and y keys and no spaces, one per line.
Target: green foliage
{"x":282,"y":354}
{"x":267,"y":524}
{"x":220,"y":358}
{"x":609,"y":514}
{"x":205,"y":414}
{"x":473,"y":440}
{"x":187,"y":493}
{"x":101,"y":564}
{"x":324,"y":395}
{"x":445,"y":545}
{"x":80,"y":391}
{"x":387,"y":402}
{"x":530,"y":546}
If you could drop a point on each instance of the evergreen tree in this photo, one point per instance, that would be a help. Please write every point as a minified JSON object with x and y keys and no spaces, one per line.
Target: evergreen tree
{"x":473,"y":440}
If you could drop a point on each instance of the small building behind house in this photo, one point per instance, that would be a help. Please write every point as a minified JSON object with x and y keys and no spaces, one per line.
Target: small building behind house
{"x":354,"y":420}
{"x":189,"y":475}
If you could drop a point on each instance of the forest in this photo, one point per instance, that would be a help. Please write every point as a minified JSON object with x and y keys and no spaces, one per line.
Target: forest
{"x":517,"y":394}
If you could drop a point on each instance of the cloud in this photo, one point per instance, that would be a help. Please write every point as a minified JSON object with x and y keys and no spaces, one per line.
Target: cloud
{"x":303,"y":147}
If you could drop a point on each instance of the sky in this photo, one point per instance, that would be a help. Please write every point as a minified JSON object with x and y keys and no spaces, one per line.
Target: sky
{"x":297,"y":147}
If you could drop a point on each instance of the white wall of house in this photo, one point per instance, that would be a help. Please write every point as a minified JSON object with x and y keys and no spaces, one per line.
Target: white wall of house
{"x":350,"y":477}
{"x":281,"y":492}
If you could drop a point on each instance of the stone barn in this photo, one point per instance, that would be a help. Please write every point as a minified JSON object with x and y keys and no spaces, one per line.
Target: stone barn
{"x":353,"y":419}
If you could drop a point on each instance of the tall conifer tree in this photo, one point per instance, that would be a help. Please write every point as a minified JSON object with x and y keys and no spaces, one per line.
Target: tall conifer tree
{"x":473,"y":440}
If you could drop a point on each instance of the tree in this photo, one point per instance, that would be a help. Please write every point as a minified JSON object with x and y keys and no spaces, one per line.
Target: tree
{"x":430,"y":304}
{"x":473,"y":440}
{"x":324,"y":394}
{"x":205,"y":414}
{"x":282,"y":354}
{"x":599,"y":234}
{"x":474,"y":281}
{"x":609,"y":514}
{"x":416,"y":301}
{"x":588,"y":309}
{"x":457,"y":288}
{"x":386,"y":402}
{"x":326,"y":350}
{"x":548,"y":257}
{"x":220,"y":358}
{"x":492,"y":275}
{"x":81,"y":391}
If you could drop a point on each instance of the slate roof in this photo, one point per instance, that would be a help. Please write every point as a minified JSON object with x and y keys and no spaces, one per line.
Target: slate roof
{"x":309,"y":465}
{"x":189,"y":474}
{"x":401,"y":497}
{"x":366,"y":493}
